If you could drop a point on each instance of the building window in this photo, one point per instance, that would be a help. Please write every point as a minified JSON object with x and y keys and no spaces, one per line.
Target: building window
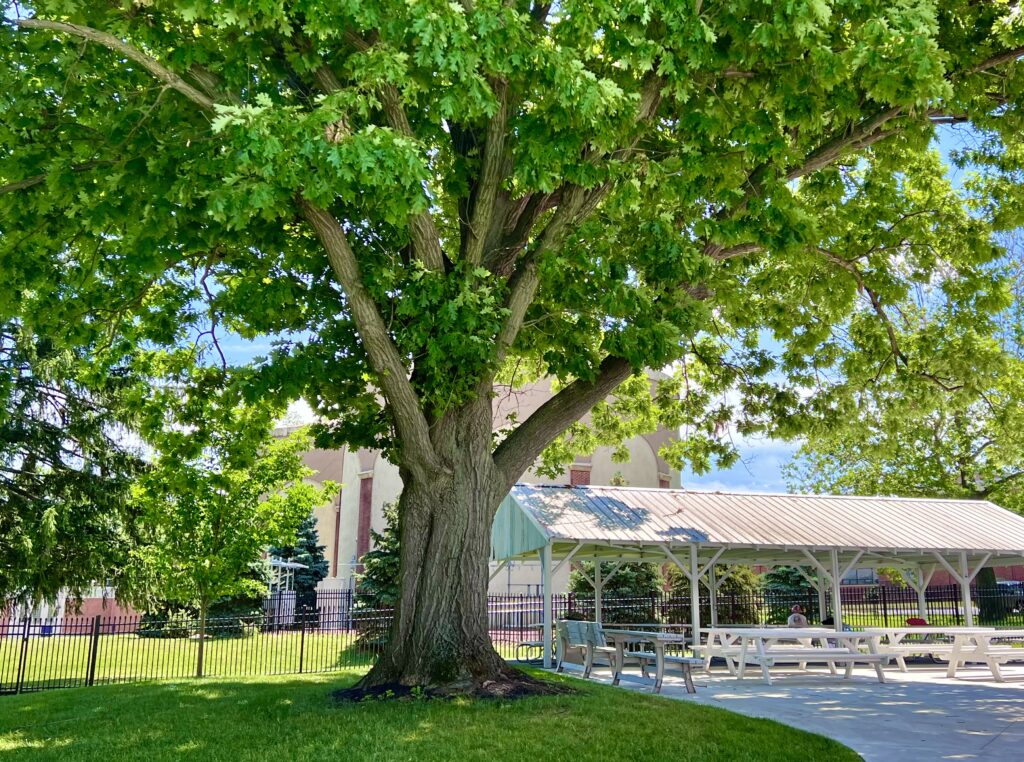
{"x":579,"y":477}
{"x":663,"y":483}
{"x":861,"y":577}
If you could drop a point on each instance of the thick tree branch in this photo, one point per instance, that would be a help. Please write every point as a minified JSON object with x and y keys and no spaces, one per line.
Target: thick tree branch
{"x":998,"y":59}
{"x":426,"y":241}
{"x":740,"y":250}
{"x":492,"y":171}
{"x":107,"y":40}
{"x":575,"y":205}
{"x":524,"y":445}
{"x":413,"y":431}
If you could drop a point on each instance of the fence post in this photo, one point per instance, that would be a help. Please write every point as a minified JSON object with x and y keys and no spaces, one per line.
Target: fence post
{"x":94,"y":650}
{"x":956,"y":605}
{"x":885,"y":606}
{"x":302,"y":642}
{"x":22,"y":657}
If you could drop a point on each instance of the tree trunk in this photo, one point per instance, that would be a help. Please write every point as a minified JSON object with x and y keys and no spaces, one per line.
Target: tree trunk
{"x":203,"y":606}
{"x":440,"y":636}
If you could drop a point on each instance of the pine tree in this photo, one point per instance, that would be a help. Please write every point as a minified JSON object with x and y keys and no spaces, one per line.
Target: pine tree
{"x":306,"y":550}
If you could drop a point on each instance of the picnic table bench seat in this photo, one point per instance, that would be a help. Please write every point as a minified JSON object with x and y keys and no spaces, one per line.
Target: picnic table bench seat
{"x":589,"y":637}
{"x":686,"y":665}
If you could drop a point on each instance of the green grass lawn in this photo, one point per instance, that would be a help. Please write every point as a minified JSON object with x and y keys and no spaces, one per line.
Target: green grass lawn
{"x":64,"y":660}
{"x":294,"y":719}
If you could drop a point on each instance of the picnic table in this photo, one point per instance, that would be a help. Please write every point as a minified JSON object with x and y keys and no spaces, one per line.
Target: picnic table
{"x":976,"y":645}
{"x":905,"y":640}
{"x":765,"y":647}
{"x":658,"y":640}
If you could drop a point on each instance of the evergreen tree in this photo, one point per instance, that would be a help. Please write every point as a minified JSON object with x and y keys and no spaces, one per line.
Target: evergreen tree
{"x":377,"y":587}
{"x":306,"y":550}
{"x":628,"y":596}
{"x":736,"y":603}
{"x":66,"y":520}
{"x":378,"y":582}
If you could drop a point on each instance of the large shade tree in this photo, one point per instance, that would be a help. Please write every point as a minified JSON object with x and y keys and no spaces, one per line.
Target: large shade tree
{"x":424,"y":196}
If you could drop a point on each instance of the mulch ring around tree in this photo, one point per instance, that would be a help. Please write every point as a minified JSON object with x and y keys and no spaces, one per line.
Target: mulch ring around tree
{"x":506,"y":689}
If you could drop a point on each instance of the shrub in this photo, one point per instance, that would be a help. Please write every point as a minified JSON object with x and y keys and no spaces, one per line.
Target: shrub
{"x":629,"y":597}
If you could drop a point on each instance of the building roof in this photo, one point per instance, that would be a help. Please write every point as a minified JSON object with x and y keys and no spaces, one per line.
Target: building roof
{"x":752,"y":528}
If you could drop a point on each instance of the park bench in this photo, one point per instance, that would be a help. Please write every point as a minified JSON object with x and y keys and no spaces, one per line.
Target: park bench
{"x":591,"y":639}
{"x":802,"y":656}
{"x":588,"y":638}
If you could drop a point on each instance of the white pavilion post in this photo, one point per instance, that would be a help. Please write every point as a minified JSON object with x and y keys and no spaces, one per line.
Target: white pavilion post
{"x":923,"y":580}
{"x":837,"y":598}
{"x":713,"y":594}
{"x":822,"y":597}
{"x":545,"y":574}
{"x":965,"y":588}
{"x":694,"y":594}
{"x":598,"y":585}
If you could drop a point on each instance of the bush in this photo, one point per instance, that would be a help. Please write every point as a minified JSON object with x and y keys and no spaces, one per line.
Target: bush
{"x":164,"y":623}
{"x":784,"y":587}
{"x":737,"y":597}
{"x":377,"y":588}
{"x":630,"y":597}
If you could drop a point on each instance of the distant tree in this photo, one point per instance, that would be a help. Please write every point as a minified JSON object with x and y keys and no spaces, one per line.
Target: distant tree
{"x":377,"y":583}
{"x":959,"y":436}
{"x":214,"y":499}
{"x":737,"y":601}
{"x":785,"y":587}
{"x":305,"y":549}
{"x":628,"y":596}
{"x":66,"y":521}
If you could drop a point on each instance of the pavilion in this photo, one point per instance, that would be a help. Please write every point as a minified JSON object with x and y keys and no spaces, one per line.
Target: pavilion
{"x":700,"y":531}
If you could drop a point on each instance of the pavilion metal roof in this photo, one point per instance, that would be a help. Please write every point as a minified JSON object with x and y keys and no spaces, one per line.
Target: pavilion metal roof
{"x":639,"y":518}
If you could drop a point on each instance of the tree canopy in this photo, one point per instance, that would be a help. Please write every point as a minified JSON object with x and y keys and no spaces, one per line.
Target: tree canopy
{"x":908,"y":435}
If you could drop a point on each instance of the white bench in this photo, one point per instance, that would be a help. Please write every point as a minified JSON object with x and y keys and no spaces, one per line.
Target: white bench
{"x":686,"y":666}
{"x":830,"y":657}
{"x":592,"y":639}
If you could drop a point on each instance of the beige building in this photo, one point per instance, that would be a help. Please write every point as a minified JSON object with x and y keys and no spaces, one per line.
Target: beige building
{"x":369,"y":482}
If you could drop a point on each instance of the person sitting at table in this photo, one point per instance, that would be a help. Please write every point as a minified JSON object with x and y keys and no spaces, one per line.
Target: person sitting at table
{"x":796,"y":618}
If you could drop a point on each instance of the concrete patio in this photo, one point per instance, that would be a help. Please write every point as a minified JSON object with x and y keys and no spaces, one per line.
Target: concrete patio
{"x":919,"y":715}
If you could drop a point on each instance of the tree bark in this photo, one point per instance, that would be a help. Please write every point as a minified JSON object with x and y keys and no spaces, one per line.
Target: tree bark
{"x":440,"y":638}
{"x":203,"y":606}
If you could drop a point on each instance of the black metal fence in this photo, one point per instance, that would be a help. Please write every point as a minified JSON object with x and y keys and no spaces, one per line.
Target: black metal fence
{"x":332,"y":633}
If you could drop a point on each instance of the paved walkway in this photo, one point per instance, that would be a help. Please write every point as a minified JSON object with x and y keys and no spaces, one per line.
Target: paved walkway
{"x":913,"y":717}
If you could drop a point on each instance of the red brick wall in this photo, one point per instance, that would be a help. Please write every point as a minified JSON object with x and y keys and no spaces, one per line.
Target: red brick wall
{"x":579,"y":477}
{"x":103,"y":606}
{"x":365,"y":515}
{"x":941,"y":578}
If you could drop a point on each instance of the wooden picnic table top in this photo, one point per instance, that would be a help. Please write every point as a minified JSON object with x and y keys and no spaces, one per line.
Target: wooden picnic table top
{"x":671,"y":637}
{"x":935,"y":630}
